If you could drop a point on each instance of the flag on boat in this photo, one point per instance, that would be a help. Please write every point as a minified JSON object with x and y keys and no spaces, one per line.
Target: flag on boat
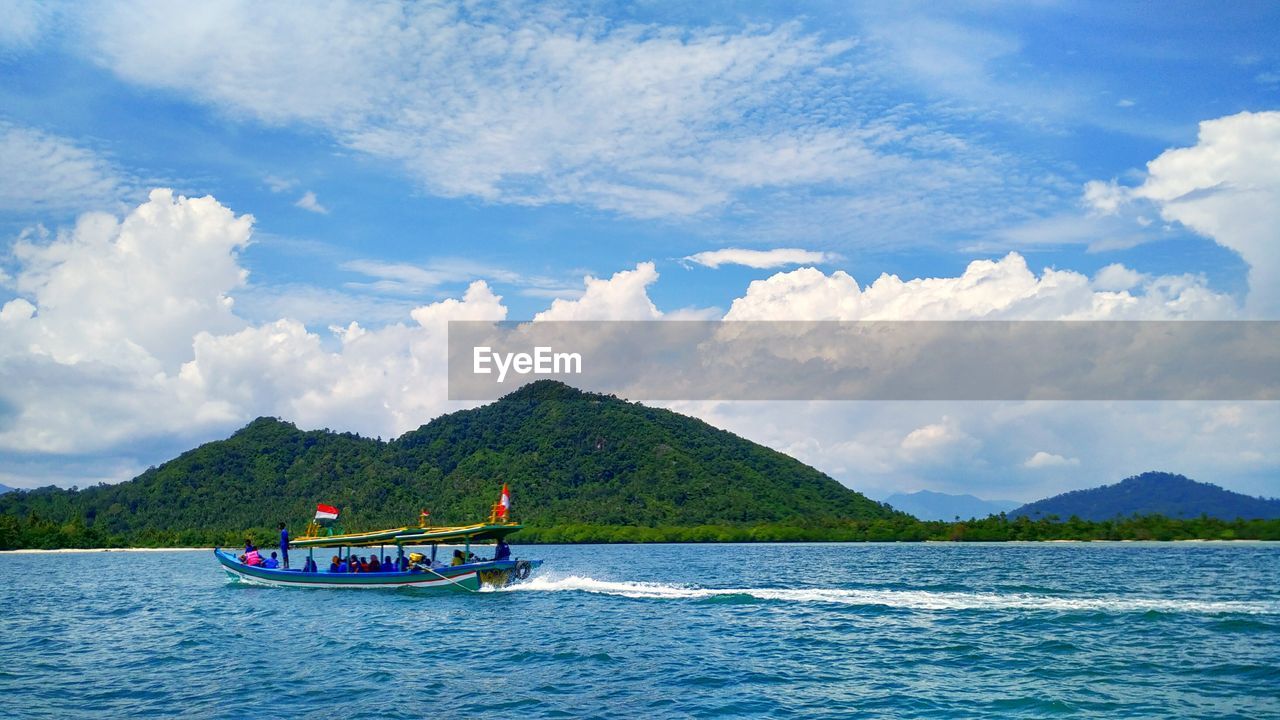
{"x":326,"y":512}
{"x":504,"y":502}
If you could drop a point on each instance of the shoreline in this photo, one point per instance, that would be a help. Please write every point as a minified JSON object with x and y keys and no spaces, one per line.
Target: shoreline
{"x":55,"y":551}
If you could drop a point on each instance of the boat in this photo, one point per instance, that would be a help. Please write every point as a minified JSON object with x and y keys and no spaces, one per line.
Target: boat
{"x":413,"y":569}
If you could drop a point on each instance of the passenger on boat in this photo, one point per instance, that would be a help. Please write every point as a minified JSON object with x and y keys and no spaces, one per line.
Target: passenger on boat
{"x":252,"y":557}
{"x":334,"y":564}
{"x":271,"y":563}
{"x":388,"y":565}
{"x":375,"y":565}
{"x":502,"y":551}
{"x":284,"y":544}
{"x":458,"y":559}
{"x":248,"y":546}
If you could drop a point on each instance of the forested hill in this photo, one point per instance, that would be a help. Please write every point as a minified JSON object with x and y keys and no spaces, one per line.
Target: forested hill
{"x":1153,"y":493}
{"x":568,"y":457}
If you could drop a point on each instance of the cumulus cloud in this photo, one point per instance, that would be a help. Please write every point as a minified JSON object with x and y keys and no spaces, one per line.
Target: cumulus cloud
{"x":1043,"y":459}
{"x":622,"y":297}
{"x":125,"y":329}
{"x":1225,"y":187}
{"x":777,"y":257}
{"x":309,"y":203}
{"x":42,"y":172}
{"x":1116,"y":277}
{"x":130,"y":293}
{"x":1004,"y":289}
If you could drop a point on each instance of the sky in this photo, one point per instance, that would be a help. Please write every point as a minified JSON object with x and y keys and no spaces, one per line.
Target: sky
{"x":211,"y":213}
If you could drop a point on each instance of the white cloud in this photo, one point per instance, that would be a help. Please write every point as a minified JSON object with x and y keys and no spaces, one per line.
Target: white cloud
{"x":531,"y":104}
{"x":1043,"y":459}
{"x":131,"y":292}
{"x":1226,"y":187}
{"x":24,"y":22}
{"x":1116,"y":277}
{"x":277,"y":184}
{"x":929,"y":436}
{"x":309,"y":203}
{"x":777,"y":257}
{"x":622,"y":297}
{"x":1003,"y":289}
{"x":42,"y":172}
{"x":124,"y":330}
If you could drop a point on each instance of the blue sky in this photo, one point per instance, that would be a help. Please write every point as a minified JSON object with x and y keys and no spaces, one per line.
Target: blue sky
{"x":391,"y":156}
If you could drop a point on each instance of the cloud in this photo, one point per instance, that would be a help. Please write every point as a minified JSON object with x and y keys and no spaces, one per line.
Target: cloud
{"x":124,"y":329}
{"x":777,"y":257}
{"x":1116,"y":277}
{"x":130,"y":293}
{"x":622,"y":297}
{"x":1043,"y":459}
{"x":409,"y":279}
{"x":1004,"y":289}
{"x":309,"y":203}
{"x":277,"y":184}
{"x":1225,"y":187}
{"x":124,"y":332}
{"x":24,"y":22}
{"x":523,"y":104}
{"x":936,"y":443}
{"x":40,"y":172}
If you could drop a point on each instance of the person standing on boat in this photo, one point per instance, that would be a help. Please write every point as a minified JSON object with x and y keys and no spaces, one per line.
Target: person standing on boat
{"x":502,"y":551}
{"x":284,"y":545}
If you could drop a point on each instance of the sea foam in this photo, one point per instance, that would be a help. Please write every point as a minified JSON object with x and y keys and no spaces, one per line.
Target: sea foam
{"x":905,"y":599}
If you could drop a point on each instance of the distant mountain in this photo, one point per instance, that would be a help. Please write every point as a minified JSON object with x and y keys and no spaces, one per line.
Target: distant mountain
{"x":1151,"y":493}
{"x":929,"y":505}
{"x":5,"y":488}
{"x":568,"y":457}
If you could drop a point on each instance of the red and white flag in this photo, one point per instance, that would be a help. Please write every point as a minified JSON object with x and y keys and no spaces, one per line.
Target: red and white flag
{"x":504,"y":502}
{"x":326,"y":512}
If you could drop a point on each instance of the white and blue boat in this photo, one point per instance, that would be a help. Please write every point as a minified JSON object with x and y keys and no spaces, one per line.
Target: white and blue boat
{"x":412,"y":568}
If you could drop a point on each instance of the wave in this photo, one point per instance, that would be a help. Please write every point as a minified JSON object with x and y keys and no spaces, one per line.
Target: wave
{"x":906,"y":599}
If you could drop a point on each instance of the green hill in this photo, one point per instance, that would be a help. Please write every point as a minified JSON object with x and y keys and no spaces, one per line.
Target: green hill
{"x":572,"y":459}
{"x":1153,"y":493}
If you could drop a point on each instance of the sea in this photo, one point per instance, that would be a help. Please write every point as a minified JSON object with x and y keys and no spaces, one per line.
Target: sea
{"x":1096,"y":630}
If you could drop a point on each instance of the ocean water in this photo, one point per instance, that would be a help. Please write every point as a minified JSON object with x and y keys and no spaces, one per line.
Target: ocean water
{"x":860,"y":630}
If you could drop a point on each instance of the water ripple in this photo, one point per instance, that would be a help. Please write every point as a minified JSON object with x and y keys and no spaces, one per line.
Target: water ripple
{"x":906,"y":631}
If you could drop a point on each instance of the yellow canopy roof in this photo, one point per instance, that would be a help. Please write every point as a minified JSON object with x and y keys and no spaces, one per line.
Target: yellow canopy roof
{"x":411,"y":536}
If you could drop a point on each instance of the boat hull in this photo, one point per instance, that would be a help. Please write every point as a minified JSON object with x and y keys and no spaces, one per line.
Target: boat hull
{"x":456,"y":578}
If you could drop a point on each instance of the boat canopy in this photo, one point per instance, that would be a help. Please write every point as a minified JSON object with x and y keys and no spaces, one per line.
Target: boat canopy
{"x":411,"y":536}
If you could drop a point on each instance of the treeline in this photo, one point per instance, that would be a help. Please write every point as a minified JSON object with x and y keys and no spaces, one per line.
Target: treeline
{"x":567,"y":456}
{"x":35,"y":532}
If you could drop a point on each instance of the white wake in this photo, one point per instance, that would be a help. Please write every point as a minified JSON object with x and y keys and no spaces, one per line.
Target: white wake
{"x":908,"y":599}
